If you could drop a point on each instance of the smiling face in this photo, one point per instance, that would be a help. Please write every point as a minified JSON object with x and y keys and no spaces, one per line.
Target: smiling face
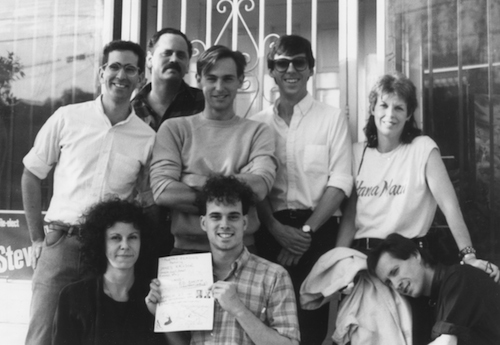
{"x":220,"y":85}
{"x":292,"y":83}
{"x":117,"y":85}
{"x":123,"y":245}
{"x":170,"y":58}
{"x":390,"y":114}
{"x":224,"y":224}
{"x":408,"y":277}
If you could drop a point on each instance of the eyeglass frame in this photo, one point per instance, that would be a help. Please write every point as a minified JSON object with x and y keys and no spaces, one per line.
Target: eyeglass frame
{"x":137,"y":71}
{"x":291,"y":61}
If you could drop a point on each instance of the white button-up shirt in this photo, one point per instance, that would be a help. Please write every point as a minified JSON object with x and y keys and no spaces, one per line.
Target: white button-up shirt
{"x":93,"y":159}
{"x":314,"y":152}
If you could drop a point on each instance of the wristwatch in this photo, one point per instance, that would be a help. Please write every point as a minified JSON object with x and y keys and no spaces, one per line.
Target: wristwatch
{"x":306,"y":228}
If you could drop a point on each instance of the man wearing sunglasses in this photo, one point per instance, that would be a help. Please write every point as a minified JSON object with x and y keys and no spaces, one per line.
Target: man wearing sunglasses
{"x":313,"y":146}
{"x":98,"y":149}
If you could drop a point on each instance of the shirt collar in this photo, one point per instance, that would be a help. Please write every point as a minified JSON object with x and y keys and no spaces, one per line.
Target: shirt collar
{"x":302,"y":108}
{"x":239,"y":263}
{"x":100,"y":107}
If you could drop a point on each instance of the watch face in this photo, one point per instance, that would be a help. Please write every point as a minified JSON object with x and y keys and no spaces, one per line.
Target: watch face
{"x":306,"y":228}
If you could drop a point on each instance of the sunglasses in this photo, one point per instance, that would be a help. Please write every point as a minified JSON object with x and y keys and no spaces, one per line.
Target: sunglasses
{"x":300,"y":64}
{"x":115,"y":67}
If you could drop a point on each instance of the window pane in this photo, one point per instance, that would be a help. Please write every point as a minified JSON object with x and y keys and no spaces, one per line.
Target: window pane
{"x":49,"y":55}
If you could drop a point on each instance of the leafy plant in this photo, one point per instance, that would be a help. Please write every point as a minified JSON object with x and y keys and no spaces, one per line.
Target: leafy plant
{"x":10,"y":70}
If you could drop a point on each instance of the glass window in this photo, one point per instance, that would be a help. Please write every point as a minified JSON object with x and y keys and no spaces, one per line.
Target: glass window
{"x":49,"y":57}
{"x":449,"y":49}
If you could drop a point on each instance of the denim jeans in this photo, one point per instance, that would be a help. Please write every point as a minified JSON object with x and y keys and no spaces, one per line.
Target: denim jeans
{"x":58,"y":265}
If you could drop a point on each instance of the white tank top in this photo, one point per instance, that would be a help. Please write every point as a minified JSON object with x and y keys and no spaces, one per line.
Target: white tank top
{"x":393,"y":195}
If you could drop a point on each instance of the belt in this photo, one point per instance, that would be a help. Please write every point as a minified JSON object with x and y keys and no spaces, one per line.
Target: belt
{"x":295,"y":213}
{"x":370,"y":242}
{"x":69,"y":229}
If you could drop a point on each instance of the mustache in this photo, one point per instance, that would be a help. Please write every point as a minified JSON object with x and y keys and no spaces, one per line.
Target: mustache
{"x":173,"y":65}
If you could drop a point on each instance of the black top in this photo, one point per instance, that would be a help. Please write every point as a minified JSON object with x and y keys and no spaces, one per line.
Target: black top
{"x":188,"y":101}
{"x":86,"y":315}
{"x":467,"y":305}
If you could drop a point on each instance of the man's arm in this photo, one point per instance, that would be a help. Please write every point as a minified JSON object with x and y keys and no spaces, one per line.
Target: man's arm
{"x":257,"y":183}
{"x":225,"y":293}
{"x":169,"y":188}
{"x":32,"y":202}
{"x":178,"y":196}
{"x":290,"y":238}
{"x":327,"y":205}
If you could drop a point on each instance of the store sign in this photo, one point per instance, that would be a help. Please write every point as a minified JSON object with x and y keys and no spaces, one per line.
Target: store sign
{"x":15,"y":246}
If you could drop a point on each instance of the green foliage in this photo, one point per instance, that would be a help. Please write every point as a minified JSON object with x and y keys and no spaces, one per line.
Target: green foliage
{"x":10,"y":70}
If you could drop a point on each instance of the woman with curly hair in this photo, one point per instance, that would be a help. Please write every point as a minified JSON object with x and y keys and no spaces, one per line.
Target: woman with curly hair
{"x":108,"y":306}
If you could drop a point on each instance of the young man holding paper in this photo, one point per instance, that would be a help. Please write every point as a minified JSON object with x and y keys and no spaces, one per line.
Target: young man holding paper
{"x":255,"y":302}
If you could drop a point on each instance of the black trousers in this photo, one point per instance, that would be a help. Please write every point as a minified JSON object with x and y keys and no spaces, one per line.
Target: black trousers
{"x":313,"y":323}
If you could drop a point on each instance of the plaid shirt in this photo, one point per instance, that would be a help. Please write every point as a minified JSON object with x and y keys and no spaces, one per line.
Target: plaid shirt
{"x":266,"y":290}
{"x":188,"y":101}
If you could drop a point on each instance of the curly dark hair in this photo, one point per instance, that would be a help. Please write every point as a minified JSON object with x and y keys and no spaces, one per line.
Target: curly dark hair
{"x":227,"y":189}
{"x":404,"y":88}
{"x":98,"y":219}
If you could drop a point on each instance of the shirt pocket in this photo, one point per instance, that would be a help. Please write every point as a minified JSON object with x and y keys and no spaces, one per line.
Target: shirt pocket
{"x":123,"y":174}
{"x":316,"y":160}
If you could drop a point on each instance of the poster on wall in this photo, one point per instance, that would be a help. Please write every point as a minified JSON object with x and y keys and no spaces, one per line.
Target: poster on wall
{"x":15,"y":246}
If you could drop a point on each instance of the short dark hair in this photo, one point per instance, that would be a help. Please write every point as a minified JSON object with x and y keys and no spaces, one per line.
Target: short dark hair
{"x":403,"y":87}
{"x":398,"y":247}
{"x":291,"y":45}
{"x":98,"y":219}
{"x":123,"y":46}
{"x":215,"y":53}
{"x":156,"y":37}
{"x":226,"y":189}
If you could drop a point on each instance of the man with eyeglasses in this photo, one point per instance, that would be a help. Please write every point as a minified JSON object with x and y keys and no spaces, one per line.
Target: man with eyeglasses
{"x":98,"y":149}
{"x":313,"y":146}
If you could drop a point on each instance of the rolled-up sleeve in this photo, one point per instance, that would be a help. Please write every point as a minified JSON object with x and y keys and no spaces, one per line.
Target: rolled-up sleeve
{"x":262,"y":161}
{"x":46,"y":150}
{"x":340,"y":155}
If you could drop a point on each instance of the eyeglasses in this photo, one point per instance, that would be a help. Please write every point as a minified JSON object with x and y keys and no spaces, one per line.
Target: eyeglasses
{"x":300,"y":64}
{"x":115,"y":67}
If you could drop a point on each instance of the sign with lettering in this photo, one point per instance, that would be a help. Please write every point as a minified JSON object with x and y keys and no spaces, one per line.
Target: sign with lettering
{"x":15,"y":246}
{"x":186,"y":303}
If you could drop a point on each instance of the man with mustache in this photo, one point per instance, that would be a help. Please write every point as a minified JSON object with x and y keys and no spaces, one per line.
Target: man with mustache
{"x":167,"y":96}
{"x":190,"y":149}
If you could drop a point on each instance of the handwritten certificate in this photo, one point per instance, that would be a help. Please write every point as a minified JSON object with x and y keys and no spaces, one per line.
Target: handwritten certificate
{"x":186,"y":304}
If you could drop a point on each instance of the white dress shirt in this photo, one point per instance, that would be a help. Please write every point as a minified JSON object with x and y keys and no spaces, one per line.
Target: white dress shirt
{"x":93,"y":159}
{"x":314,"y":152}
